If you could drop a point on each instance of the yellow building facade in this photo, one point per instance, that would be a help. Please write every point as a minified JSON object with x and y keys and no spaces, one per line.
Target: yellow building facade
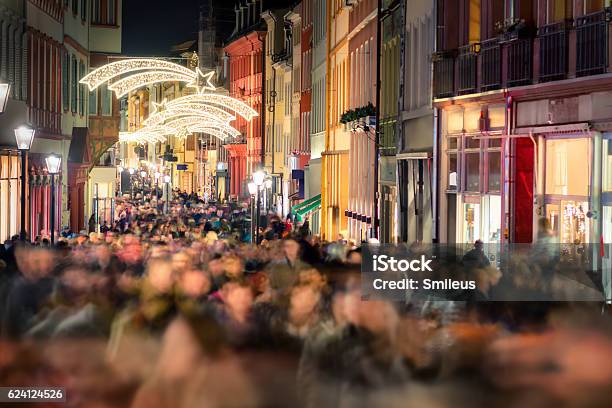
{"x":335,"y":158}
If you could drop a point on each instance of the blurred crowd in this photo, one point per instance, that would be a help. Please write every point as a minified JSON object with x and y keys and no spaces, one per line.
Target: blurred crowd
{"x":177,"y":309}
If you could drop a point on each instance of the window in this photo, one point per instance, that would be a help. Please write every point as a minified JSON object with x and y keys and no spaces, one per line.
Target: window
{"x":607,"y":166}
{"x":65,"y":81}
{"x":93,"y":102}
{"x":564,"y":174}
{"x":106,"y":100}
{"x":84,"y":10}
{"x":474,"y":23}
{"x":472,"y":171}
{"x":593,"y":6}
{"x":494,"y":171}
{"x":104,"y":12}
{"x":81,"y":89}
{"x":73,"y":84}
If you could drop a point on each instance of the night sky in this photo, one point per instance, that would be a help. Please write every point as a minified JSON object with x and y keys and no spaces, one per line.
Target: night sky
{"x":152,"y":27}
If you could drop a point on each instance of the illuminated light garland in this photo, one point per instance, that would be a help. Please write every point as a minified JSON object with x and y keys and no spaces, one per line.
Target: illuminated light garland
{"x":190,"y":122}
{"x":206,"y":112}
{"x":164,"y":106}
{"x":224,"y":101}
{"x":212,"y":131}
{"x":118,"y":68}
{"x":141,"y":136}
{"x":126,"y":85}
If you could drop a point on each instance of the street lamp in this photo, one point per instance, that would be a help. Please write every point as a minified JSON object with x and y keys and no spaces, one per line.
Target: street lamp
{"x":54,"y":163}
{"x":24,"y":136}
{"x":258,"y":177}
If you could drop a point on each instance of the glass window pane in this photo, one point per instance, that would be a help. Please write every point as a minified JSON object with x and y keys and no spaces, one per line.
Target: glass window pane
{"x":93,"y":102}
{"x":452,"y":171}
{"x":453,"y":143}
{"x":567,"y":167}
{"x":471,"y":219}
{"x":472,"y":143}
{"x":494,"y":171}
{"x":495,"y":142}
{"x":472,"y":171}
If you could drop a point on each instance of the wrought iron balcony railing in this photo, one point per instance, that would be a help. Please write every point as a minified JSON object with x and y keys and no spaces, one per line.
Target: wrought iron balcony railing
{"x":490,"y":62}
{"x":520,"y":61}
{"x":443,"y":74}
{"x":554,"y":45}
{"x":592,"y":43}
{"x":467,"y":60}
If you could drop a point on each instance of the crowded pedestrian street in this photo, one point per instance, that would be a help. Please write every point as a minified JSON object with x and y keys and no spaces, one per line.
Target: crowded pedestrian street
{"x":180,"y":309}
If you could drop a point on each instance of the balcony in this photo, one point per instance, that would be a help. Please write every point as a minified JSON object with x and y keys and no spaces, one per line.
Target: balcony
{"x":592,"y":43}
{"x":490,"y":60}
{"x":467,"y":66}
{"x":554,"y":45}
{"x":443,"y":74}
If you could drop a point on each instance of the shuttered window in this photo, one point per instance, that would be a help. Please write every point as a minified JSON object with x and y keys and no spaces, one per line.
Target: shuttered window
{"x":73,"y":84}
{"x":65,"y":80}
{"x":81,"y":89}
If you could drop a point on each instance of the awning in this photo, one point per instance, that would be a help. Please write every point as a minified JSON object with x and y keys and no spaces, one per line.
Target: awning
{"x":307,"y":206}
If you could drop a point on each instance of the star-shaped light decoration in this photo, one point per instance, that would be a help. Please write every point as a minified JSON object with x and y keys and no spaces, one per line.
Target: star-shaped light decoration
{"x":202,"y":82}
{"x":158,"y":107}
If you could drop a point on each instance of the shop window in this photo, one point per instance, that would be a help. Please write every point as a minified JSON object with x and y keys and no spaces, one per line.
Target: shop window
{"x":452,"y":171}
{"x":567,"y":167}
{"x":472,"y":171}
{"x":471,"y":219}
{"x":492,"y":222}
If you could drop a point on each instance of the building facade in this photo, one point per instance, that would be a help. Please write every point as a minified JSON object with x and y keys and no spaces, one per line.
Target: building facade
{"x":523,"y":148}
{"x":416,"y":171}
{"x":361,"y":124}
{"x":245,"y":51}
{"x":335,"y":157}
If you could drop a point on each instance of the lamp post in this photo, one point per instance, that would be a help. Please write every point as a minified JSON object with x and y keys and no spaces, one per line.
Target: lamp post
{"x":253,"y":192}
{"x":120,"y":171}
{"x":54,"y":163}
{"x":131,"y":170}
{"x":258,"y":179}
{"x":167,"y":180}
{"x":157,"y":176}
{"x":24,"y":136}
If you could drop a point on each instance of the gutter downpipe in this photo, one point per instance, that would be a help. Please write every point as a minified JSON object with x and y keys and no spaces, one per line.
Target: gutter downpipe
{"x":375,"y":215}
